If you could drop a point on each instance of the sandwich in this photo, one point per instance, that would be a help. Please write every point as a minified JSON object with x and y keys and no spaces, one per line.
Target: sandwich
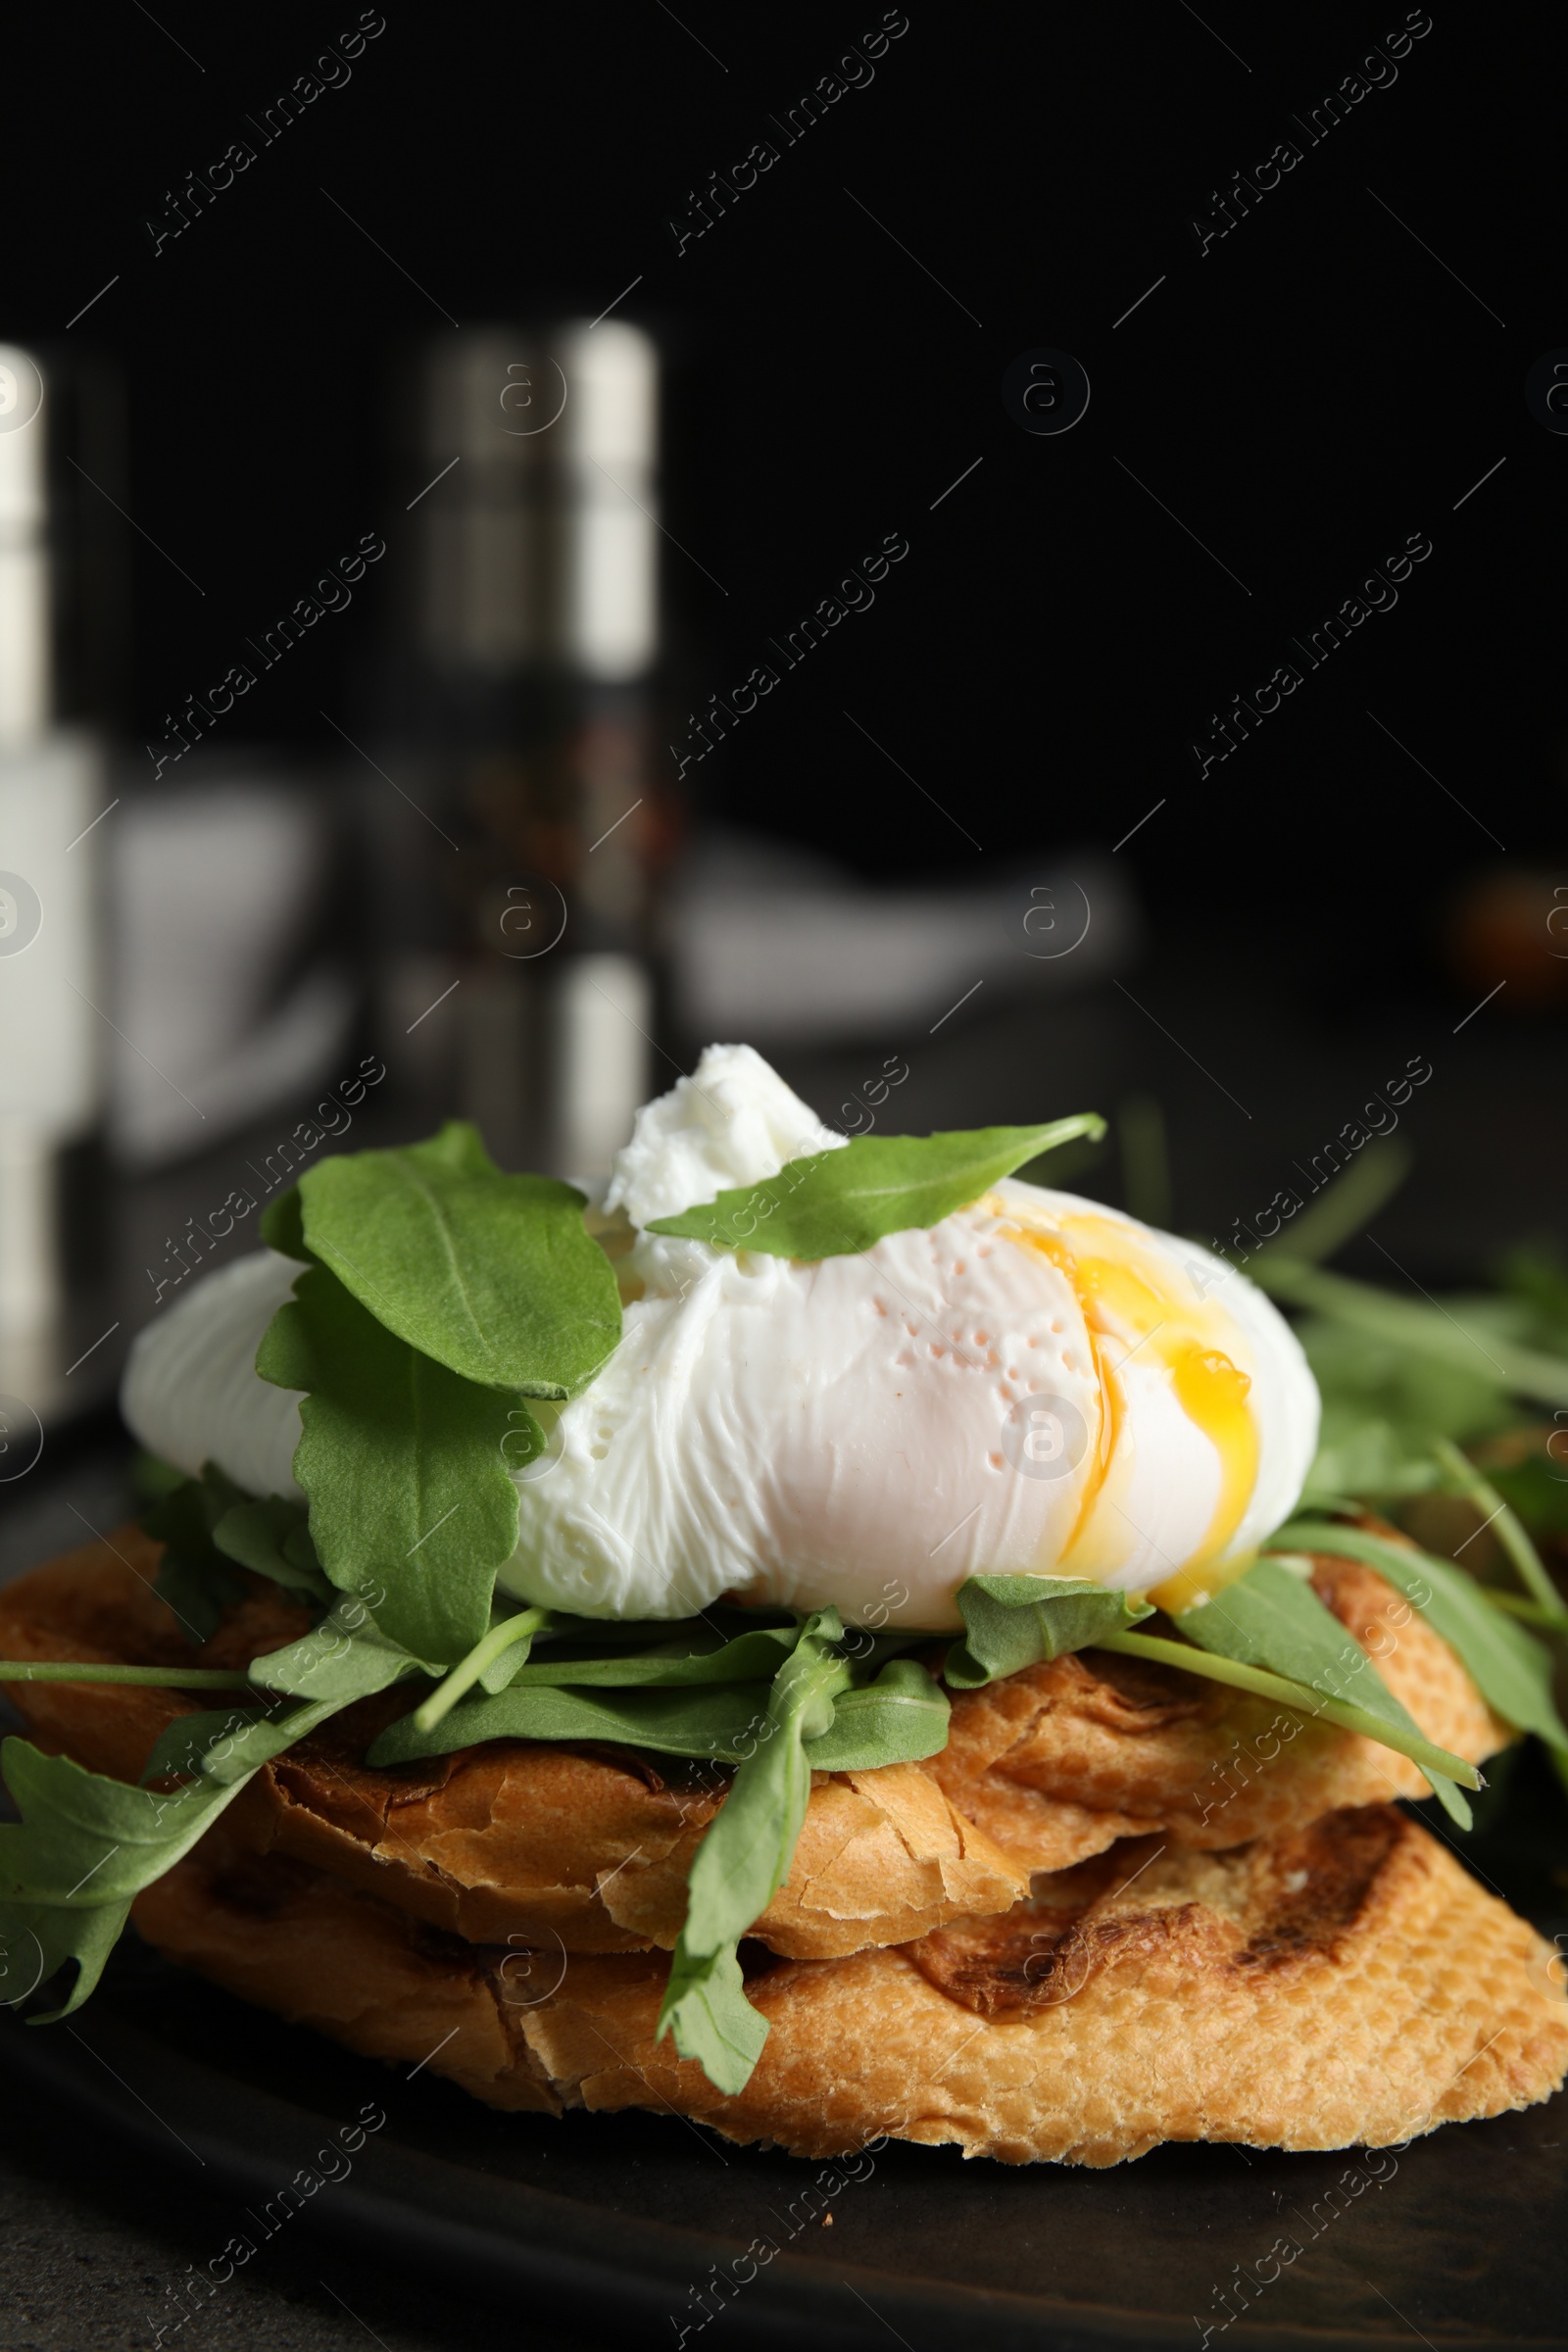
{"x":825,"y":1635}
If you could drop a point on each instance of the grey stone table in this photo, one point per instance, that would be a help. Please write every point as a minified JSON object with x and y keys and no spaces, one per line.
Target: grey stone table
{"x":85,"y":2266}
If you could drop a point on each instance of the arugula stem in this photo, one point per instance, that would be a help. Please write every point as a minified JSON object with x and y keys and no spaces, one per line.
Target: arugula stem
{"x":446,"y":1694}
{"x":176,"y":1677}
{"x":1294,"y":1695}
{"x":1350,"y":1202}
{"x":1513,"y":1604}
{"x":1429,"y":1329}
{"x":1513,"y":1534}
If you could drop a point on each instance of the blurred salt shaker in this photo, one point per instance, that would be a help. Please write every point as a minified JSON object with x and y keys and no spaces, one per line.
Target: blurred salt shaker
{"x":52,"y":1031}
{"x":533,"y":638}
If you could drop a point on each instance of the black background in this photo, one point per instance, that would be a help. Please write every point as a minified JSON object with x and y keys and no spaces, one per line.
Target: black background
{"x":1303,"y":396}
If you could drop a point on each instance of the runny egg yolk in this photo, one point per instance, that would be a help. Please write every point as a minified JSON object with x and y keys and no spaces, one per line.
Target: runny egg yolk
{"x":1137,"y":1303}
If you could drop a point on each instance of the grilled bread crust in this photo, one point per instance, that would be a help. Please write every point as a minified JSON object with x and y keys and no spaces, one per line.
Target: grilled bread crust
{"x":589,"y":1848}
{"x":1345,"y":1984}
{"x":1122,"y":1906}
{"x":586,"y":1847}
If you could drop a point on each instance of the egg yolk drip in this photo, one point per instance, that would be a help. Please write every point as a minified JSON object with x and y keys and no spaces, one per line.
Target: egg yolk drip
{"x":1132,"y":1304}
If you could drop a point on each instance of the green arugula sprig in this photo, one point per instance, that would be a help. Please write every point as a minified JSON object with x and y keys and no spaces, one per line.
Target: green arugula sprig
{"x":1513,"y":1534}
{"x":1266,"y":1633}
{"x":210,"y":1529}
{"x":1271,"y":1617}
{"x":1299,"y":1697}
{"x":271,"y":1538}
{"x":87,"y":1846}
{"x":1406,"y":1385}
{"x":1012,"y":1622}
{"x":493,"y":1276}
{"x":706,"y":1690}
{"x":438,"y":1296}
{"x":1431,"y":1331}
{"x":836,"y":1203}
{"x":689,"y":1697}
{"x":745,"y":1858}
{"x":1510,"y":1669}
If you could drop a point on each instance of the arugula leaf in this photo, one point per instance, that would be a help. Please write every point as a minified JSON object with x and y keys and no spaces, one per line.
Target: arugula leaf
{"x":1298,"y":1696}
{"x":1537,"y":1278}
{"x":87,"y":1846}
{"x":182,"y":1746}
{"x":402,"y":1461}
{"x":675,"y":1637}
{"x":719,"y":1721}
{"x":690,"y":1699}
{"x":745,"y":1858}
{"x":1383,"y":1403}
{"x":117,"y":1839}
{"x":834,"y":1204}
{"x":193,"y":1577}
{"x":704,"y":2004}
{"x":1012,"y":1622}
{"x":750,"y":1657}
{"x":652,"y":1659}
{"x":900,"y":1717}
{"x":1510,"y":1669}
{"x":282,"y":1227}
{"x":273,"y":1538}
{"x":152,"y":1478}
{"x":38,"y":1940}
{"x":1270,"y":1617}
{"x":344,"y":1657}
{"x":502,"y":1660}
{"x":494,"y":1277}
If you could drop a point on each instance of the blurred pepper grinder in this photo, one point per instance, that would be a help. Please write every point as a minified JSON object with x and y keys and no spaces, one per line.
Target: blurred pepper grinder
{"x":52,"y":1199}
{"x":535,"y":614}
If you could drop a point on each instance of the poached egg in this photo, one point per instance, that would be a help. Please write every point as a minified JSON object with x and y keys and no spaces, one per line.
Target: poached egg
{"x":1038,"y":1384}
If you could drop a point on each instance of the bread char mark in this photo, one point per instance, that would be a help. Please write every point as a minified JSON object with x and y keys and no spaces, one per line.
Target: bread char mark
{"x":1294,"y":1900}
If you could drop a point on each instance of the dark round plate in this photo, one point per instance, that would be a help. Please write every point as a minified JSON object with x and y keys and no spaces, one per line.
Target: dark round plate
{"x":637,"y":2228}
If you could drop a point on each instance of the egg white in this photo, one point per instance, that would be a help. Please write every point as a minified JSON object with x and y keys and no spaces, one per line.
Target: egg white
{"x":811,"y":1433}
{"x":856,"y":1432}
{"x":191,"y":1391}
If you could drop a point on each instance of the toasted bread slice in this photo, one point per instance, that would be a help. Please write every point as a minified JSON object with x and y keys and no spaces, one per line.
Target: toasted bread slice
{"x":589,"y":1849}
{"x":298,"y":1942}
{"x":1347,"y":1983}
{"x":592,"y":1848}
